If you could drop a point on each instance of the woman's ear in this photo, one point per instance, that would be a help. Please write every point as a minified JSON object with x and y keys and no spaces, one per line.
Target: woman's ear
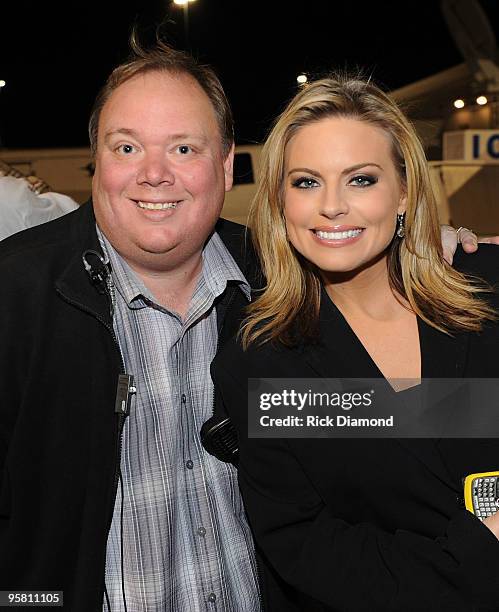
{"x":402,"y":204}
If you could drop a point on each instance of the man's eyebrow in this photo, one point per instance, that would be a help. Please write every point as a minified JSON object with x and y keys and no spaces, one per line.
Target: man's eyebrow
{"x":124,"y":131}
{"x":182,"y":137}
{"x":172,"y":137}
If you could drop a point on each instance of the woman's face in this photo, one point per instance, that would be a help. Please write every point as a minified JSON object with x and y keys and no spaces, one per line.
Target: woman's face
{"x":342,"y":193}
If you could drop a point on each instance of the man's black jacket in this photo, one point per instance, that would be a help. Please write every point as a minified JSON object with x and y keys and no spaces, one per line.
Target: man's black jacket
{"x":59,"y":433}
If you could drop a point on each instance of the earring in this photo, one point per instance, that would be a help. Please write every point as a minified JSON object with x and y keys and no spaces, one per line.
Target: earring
{"x":401,"y":225}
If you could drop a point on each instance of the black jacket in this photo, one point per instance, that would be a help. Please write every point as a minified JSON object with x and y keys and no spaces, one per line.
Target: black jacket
{"x":59,"y":433}
{"x":368,"y":525}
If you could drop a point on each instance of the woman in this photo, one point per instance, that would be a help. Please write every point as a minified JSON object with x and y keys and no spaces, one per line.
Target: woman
{"x":346,"y":228}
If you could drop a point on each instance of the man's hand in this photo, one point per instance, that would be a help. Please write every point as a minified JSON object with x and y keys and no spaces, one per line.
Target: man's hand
{"x":468,"y":240}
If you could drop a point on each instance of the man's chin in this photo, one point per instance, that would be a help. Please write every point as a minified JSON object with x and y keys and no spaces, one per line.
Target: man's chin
{"x":164,"y":257}
{"x":158,"y":249}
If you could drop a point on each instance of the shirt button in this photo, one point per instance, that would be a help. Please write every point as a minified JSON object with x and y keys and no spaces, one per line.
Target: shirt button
{"x":202,"y":531}
{"x":183,"y":398}
{"x":212,"y":598}
{"x":189,"y":465}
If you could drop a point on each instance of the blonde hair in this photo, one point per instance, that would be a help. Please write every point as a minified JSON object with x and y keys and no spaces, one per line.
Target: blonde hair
{"x":288,"y":308}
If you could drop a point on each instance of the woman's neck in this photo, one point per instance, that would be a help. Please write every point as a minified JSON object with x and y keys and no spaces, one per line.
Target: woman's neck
{"x":382,"y":322}
{"x":364,"y":292}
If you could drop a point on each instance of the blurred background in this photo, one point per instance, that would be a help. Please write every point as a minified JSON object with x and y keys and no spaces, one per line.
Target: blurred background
{"x":440,"y":60}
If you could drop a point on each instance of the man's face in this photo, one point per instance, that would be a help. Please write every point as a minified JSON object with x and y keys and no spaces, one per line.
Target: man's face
{"x":160,"y":173}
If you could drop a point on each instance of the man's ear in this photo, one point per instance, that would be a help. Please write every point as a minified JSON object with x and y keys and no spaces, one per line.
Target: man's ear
{"x":229,"y":169}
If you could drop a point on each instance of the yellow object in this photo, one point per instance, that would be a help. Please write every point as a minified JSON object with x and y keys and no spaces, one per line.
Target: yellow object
{"x":481,"y":494}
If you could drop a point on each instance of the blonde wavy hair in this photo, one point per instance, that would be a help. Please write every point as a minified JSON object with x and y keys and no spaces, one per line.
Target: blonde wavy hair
{"x":288,"y":308}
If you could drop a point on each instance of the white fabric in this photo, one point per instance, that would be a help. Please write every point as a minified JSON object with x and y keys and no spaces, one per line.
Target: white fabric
{"x":20,"y":208}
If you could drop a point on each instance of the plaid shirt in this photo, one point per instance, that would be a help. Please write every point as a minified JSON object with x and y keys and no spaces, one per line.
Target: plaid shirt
{"x":186,"y":544}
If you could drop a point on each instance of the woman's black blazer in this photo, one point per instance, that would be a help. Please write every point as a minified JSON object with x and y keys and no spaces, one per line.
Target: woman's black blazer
{"x":367,"y":525}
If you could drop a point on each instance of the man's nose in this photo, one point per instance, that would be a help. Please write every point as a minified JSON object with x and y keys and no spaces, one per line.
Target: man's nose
{"x":333,"y":203}
{"x":156,"y":169}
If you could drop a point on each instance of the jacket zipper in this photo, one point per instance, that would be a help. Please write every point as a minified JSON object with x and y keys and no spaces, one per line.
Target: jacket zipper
{"x":121,"y":422}
{"x":121,"y":416}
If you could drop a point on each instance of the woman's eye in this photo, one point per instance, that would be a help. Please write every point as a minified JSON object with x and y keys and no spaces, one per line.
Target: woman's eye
{"x":184,"y":149}
{"x":126,"y":149}
{"x":305,"y":182}
{"x":363,"y":180}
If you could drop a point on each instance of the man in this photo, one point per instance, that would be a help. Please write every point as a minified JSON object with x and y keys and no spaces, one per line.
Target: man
{"x":175,"y":536}
{"x":128,"y":513}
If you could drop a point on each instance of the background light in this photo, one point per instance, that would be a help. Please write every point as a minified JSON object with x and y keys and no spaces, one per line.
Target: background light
{"x":182,"y":2}
{"x":302,"y":79}
{"x":481,"y":100}
{"x":459,"y":103}
{"x":3,"y":83}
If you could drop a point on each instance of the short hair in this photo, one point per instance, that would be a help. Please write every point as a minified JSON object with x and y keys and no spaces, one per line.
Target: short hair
{"x":288,"y":308}
{"x":163,"y":58}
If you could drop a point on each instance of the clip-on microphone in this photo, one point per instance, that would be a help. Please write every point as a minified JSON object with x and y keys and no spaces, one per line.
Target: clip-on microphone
{"x":97,"y":268}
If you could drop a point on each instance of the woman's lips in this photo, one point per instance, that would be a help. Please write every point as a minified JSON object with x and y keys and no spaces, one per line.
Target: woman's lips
{"x":338,"y":236}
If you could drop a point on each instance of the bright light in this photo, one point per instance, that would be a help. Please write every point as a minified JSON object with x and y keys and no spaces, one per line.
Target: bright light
{"x":302,"y":79}
{"x":3,"y":83}
{"x":481,"y":100}
{"x":459,"y":103}
{"x":182,"y":2}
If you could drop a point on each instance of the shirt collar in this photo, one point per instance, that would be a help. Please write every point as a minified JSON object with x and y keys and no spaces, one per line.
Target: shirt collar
{"x":219,"y":268}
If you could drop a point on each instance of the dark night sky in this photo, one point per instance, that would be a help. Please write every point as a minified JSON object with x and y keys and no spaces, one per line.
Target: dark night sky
{"x":54,"y":56}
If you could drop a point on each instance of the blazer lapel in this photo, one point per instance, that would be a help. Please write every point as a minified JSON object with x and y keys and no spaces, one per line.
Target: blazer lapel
{"x":442,"y":356}
{"x":340,"y":354}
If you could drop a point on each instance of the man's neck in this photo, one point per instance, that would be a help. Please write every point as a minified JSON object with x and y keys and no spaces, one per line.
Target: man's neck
{"x":173,"y":288}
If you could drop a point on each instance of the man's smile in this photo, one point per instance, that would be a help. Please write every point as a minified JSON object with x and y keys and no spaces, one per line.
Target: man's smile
{"x":157,"y":205}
